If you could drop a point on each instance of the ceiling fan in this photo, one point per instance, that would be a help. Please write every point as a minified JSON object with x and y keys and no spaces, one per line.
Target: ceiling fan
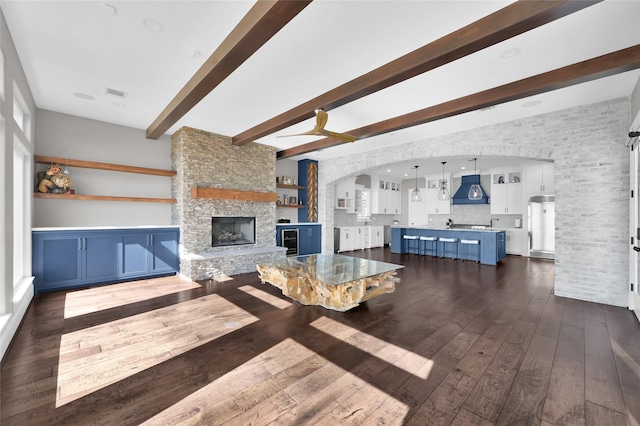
{"x":319,"y":130}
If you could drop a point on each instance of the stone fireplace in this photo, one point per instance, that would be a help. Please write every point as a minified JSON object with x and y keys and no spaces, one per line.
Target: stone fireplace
{"x":207,"y":160}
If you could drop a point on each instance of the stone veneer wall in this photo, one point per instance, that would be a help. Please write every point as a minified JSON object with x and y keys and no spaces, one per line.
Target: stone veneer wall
{"x":591,"y":178}
{"x":204,"y":159}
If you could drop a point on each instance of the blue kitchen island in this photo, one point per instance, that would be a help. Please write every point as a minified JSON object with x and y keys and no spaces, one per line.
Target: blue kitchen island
{"x":491,"y":243}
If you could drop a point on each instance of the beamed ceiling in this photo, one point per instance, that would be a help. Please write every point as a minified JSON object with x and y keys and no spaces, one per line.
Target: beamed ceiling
{"x":387,"y":72}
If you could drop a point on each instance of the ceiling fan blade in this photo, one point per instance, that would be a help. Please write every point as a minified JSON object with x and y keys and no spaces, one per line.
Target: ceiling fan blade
{"x":340,"y":136}
{"x":309,"y":133}
{"x":321,"y":119}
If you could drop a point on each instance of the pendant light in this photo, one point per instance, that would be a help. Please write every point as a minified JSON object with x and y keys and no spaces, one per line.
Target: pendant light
{"x":443,"y":193}
{"x":416,"y":195}
{"x":475,"y":192}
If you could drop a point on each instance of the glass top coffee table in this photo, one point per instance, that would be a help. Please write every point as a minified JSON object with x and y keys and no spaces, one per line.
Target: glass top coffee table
{"x":333,"y":281}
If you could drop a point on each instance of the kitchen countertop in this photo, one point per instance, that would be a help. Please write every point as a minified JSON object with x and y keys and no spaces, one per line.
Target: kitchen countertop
{"x":97,"y":228}
{"x":446,"y":228}
{"x":298,"y":223}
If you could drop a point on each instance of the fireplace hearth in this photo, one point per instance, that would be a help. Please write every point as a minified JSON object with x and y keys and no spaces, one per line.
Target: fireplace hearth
{"x":232,"y":231}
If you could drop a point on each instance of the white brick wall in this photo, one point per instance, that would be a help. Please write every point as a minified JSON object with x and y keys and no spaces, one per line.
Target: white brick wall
{"x":591,"y":180}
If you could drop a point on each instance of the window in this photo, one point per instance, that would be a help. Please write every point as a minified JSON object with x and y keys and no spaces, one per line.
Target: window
{"x":363,"y":205}
{"x":1,"y":74}
{"x":18,"y":214}
{"x":18,"y":114}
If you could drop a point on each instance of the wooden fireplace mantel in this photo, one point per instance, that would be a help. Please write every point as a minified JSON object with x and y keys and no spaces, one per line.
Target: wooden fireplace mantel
{"x":233,"y":194}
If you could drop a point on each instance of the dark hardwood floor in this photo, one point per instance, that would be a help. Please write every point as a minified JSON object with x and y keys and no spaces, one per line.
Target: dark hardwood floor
{"x":457,"y":343}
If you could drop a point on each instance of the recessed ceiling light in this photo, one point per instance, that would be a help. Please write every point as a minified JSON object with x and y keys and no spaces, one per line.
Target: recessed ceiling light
{"x":510,"y":53}
{"x":531,"y":104}
{"x":463,"y":168}
{"x":153,"y":25}
{"x":83,"y":96}
{"x":196,"y":54}
{"x":119,"y":104}
{"x":110,"y":9}
{"x":406,"y":174}
{"x":388,"y":170}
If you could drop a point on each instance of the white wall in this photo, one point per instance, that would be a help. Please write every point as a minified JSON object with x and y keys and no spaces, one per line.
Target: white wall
{"x":13,"y":301}
{"x":63,"y":135}
{"x":591,"y":179}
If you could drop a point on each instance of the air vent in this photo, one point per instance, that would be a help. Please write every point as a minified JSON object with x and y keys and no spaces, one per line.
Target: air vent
{"x":117,"y":93}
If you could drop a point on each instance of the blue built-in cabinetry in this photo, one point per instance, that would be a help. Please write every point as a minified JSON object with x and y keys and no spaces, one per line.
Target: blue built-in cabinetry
{"x":309,"y":237}
{"x":66,"y":258}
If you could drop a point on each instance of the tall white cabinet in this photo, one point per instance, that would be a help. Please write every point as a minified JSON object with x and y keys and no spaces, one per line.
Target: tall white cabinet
{"x":507,"y":196}
{"x":385,"y":196}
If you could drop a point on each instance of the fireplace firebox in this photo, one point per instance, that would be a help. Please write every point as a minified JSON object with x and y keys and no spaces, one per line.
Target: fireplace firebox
{"x":232,"y":231}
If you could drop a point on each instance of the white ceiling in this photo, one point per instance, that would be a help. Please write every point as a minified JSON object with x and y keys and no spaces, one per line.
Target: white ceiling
{"x":83,"y":47}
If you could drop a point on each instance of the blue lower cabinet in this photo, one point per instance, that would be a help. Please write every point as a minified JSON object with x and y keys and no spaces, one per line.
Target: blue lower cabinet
{"x":309,"y":238}
{"x":133,"y":255}
{"x":164,"y":254}
{"x":147,"y":254}
{"x":64,"y":259}
{"x":396,"y":240}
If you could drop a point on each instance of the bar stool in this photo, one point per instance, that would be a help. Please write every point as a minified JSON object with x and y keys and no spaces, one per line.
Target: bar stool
{"x":465,"y":246}
{"x":411,"y":244}
{"x":428,"y":245}
{"x":448,"y":247}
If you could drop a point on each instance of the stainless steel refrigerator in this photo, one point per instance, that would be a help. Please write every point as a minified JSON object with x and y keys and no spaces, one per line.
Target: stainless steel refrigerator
{"x":542,"y":231}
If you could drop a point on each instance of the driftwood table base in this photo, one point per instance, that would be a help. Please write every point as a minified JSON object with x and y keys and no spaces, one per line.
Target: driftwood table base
{"x":301,"y":281}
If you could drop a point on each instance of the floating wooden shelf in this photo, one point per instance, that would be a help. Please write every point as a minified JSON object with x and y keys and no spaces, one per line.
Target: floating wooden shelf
{"x":282,"y":185}
{"x":101,"y":198}
{"x":42,"y":159}
{"x":233,"y":194}
{"x":293,"y":206}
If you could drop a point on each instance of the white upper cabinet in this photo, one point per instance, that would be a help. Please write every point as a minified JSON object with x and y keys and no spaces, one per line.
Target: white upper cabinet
{"x":433,"y":205}
{"x":385,"y":196}
{"x":507,"y":196}
{"x":539,"y":179}
{"x":346,"y":195}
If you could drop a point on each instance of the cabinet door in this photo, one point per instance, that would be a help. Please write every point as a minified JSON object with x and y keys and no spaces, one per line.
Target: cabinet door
{"x":164,"y":255}
{"x":514,"y":242}
{"x":498,"y":198}
{"x":133,"y":255}
{"x":346,"y":239}
{"x":57,"y":261}
{"x":515,"y":201}
{"x":548,"y":179}
{"x":99,"y":258}
{"x":315,"y":239}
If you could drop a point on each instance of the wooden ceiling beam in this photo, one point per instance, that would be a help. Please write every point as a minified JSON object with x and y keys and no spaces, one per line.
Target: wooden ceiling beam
{"x":581,"y":72}
{"x":262,"y":22}
{"x":508,"y":22}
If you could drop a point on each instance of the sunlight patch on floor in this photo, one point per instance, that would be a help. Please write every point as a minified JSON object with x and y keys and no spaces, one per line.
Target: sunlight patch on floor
{"x":93,"y":358}
{"x":404,"y":359}
{"x":256,"y":392}
{"x":265,"y":297}
{"x":96,"y":299}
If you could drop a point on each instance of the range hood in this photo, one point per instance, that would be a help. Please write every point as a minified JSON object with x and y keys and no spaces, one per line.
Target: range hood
{"x":462,"y":194}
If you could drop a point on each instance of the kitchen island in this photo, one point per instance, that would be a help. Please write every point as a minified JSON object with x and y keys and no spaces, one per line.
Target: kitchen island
{"x":492,"y":248}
